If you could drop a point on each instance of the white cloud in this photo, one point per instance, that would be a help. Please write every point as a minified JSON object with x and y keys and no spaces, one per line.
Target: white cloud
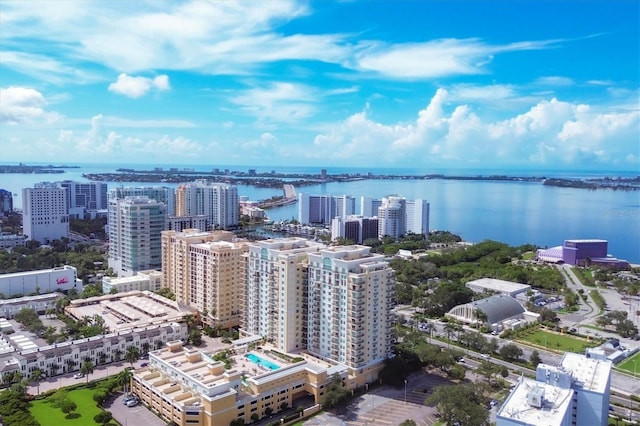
{"x":23,"y":104}
{"x":435,"y":58}
{"x":222,"y":37}
{"x":135,"y":87}
{"x":554,"y":81}
{"x":281,"y":102}
{"x":550,"y":132}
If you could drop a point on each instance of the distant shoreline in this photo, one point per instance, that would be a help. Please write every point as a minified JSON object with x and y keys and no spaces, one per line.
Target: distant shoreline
{"x":276,"y":180}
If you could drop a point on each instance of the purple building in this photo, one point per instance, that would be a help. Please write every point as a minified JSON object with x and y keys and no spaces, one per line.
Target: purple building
{"x":580,"y":252}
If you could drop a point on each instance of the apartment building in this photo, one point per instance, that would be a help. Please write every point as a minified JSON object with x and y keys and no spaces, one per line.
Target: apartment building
{"x":39,"y":303}
{"x":206,"y":270}
{"x":350,"y":297}
{"x":45,"y":212}
{"x":354,"y":228}
{"x":217,"y":201}
{"x":6,"y":202}
{"x":85,"y":196}
{"x":163,"y":194}
{"x":135,"y":227}
{"x":275,"y":299}
{"x":321,"y":209}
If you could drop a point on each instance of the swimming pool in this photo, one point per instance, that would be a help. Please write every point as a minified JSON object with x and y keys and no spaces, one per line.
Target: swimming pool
{"x":261,"y":361}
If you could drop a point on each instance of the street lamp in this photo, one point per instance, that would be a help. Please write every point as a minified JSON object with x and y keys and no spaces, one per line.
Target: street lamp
{"x":405,"y":391}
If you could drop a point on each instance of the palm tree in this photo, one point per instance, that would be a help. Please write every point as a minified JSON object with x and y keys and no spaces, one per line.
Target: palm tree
{"x":87,"y":368}
{"x":36,"y":376}
{"x":145,"y":348}
{"x":132,"y":355}
{"x":124,"y":378}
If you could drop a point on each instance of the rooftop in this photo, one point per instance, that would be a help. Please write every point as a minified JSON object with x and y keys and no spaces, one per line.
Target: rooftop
{"x":498,"y":285}
{"x":588,"y":373}
{"x":553,"y":405}
{"x":129,"y":309}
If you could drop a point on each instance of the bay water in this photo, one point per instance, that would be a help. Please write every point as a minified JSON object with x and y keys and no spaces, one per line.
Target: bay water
{"x":509,"y":211}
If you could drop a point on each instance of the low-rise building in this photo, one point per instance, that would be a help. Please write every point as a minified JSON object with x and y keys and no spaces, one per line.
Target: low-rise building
{"x":39,"y":303}
{"x":133,"y":309}
{"x":508,"y":288}
{"x":498,"y":311}
{"x":188,"y":387}
{"x":63,"y":278}
{"x":144,"y":280}
{"x":8,"y":241}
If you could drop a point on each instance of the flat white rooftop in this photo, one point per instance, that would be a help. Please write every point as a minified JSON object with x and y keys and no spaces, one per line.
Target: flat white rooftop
{"x":554,"y":407}
{"x":589,"y":373}
{"x":498,"y":285}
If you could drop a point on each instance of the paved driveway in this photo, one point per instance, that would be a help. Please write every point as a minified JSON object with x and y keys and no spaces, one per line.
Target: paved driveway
{"x":132,"y":416}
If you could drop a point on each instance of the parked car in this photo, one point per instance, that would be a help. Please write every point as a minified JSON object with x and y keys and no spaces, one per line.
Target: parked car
{"x":128,"y":398}
{"x":133,"y":403}
{"x":144,"y":364}
{"x":78,"y":376}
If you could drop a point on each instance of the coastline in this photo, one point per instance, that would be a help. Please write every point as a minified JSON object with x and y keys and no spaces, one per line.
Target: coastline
{"x":277,"y":180}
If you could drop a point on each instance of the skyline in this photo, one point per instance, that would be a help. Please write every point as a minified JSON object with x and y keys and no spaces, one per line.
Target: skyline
{"x":504,"y":85}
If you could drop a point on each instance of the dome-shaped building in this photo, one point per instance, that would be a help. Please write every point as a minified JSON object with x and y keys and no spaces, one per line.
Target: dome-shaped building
{"x":492,"y":310}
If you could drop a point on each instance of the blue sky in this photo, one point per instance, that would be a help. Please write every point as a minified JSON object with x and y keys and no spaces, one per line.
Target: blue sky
{"x":423,"y":84}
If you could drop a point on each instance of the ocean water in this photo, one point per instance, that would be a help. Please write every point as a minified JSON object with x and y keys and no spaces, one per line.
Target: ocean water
{"x":513,"y":212}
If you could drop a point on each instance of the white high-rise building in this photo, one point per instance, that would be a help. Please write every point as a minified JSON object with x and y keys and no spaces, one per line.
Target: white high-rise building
{"x":392,"y":217}
{"x":369,"y":206}
{"x":321,"y":209}
{"x":219,"y":202}
{"x":163,"y":194}
{"x":135,"y":227}
{"x":45,"y":212}
{"x":85,"y":196}
{"x":418,"y":216}
{"x":276,"y":291}
{"x":350,"y":296}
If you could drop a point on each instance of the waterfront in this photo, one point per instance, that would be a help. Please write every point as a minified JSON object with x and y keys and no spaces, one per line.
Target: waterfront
{"x":512,"y":212}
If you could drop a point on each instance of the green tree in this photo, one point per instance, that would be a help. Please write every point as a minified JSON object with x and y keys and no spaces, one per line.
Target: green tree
{"x":67,"y":407}
{"x":124,"y":379}
{"x":510,"y":351}
{"x":132,"y":354}
{"x":462,"y":403}
{"x":87,"y":368}
{"x":36,"y":376}
{"x":335,"y":393}
{"x":534,"y":359}
{"x":195,"y":337}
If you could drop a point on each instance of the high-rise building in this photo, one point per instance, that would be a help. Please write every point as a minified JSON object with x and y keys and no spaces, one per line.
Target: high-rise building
{"x":45,"y":213}
{"x":6,"y":202}
{"x":576,"y":392}
{"x":216,"y":281}
{"x":163,"y":194}
{"x":350,"y":296}
{"x":418,"y":216}
{"x":355,"y":228}
{"x":85,"y":196}
{"x":369,"y":206}
{"x":135,"y":226}
{"x":206,"y":270}
{"x":392,"y":217}
{"x":321,"y":209}
{"x":218,"y":201}
{"x":276,"y":291}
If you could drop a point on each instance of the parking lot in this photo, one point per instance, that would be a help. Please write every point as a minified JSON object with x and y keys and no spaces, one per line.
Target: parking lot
{"x":132,"y":416}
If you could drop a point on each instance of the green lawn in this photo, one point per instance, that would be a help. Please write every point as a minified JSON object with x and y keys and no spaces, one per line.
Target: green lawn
{"x":627,"y":365}
{"x":553,"y":341}
{"x":529,"y":255}
{"x":45,"y":414}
